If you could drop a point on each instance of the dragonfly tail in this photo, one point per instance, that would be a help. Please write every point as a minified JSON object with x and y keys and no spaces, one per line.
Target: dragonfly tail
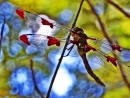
{"x":89,"y":70}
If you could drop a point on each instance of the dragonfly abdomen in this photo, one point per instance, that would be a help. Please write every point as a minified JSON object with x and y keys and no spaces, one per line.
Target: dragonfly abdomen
{"x":89,"y":70}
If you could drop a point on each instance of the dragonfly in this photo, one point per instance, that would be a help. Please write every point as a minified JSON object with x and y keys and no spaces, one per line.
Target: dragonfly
{"x":100,"y":54}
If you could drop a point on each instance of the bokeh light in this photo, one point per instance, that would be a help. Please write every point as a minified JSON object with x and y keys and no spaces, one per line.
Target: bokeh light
{"x":42,"y":81}
{"x":31,"y":49}
{"x":125,"y":55}
{"x":65,"y":16}
{"x":21,"y":82}
{"x":15,"y":48}
{"x":7,"y":10}
{"x":16,"y":23}
{"x":10,"y":65}
{"x":64,"y":82}
{"x":99,"y":8}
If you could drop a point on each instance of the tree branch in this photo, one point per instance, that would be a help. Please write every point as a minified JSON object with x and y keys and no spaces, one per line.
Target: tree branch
{"x":118,"y":7}
{"x":62,"y":55}
{"x":35,"y":84}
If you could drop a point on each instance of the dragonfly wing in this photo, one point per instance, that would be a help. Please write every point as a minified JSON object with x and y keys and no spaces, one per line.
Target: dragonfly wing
{"x":39,"y":41}
{"x":102,"y":45}
{"x":96,"y":57}
{"x":31,"y":22}
{"x":35,"y":40}
{"x":48,"y":43}
{"x":20,"y":13}
{"x":125,"y":67}
{"x":107,"y":48}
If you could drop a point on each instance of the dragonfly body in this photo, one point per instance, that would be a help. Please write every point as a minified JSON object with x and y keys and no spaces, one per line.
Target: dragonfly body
{"x":83,"y":46}
{"x":81,"y":38}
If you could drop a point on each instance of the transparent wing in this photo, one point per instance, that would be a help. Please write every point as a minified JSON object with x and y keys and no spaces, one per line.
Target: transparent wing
{"x":98,"y":57}
{"x":34,"y":43}
{"x":34,"y":21}
{"x":37,"y":40}
{"x":48,"y":43}
{"x":105,"y":47}
{"x":102,"y":45}
{"x":31,"y":22}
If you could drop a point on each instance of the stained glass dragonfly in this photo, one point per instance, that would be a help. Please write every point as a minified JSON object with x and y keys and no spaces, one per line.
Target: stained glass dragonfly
{"x":100,"y":54}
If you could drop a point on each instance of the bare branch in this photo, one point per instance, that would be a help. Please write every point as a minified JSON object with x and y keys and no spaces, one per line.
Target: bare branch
{"x":35,"y":84}
{"x":119,"y":8}
{"x":62,"y":55}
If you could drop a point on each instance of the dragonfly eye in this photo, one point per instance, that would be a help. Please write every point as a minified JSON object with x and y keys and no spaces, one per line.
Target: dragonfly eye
{"x":78,"y":31}
{"x":73,"y":31}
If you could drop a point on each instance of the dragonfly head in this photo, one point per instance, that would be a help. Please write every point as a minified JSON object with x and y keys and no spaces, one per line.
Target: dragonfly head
{"x":78,"y":33}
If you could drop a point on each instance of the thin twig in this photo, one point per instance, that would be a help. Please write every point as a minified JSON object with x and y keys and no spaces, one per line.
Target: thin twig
{"x":62,"y":55}
{"x":119,"y":8}
{"x":2,"y":31}
{"x":35,"y":84}
{"x":109,"y":40}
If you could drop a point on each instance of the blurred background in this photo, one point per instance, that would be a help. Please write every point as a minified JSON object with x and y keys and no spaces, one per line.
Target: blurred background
{"x":72,"y":80}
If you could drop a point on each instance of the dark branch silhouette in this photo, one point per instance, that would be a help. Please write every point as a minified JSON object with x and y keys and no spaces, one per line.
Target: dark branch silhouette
{"x":62,"y":55}
{"x":35,"y":84}
{"x":119,"y":8}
